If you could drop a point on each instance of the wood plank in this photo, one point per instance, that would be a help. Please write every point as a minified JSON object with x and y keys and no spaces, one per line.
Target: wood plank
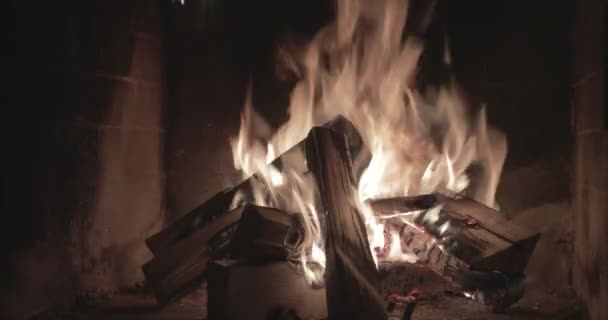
{"x":180,"y":269}
{"x":351,"y":279}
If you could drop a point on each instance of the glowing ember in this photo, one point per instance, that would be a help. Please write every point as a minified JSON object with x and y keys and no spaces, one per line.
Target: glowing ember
{"x":360,"y":67}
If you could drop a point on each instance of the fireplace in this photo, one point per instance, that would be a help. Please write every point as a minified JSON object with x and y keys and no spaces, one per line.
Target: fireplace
{"x":311,"y":159}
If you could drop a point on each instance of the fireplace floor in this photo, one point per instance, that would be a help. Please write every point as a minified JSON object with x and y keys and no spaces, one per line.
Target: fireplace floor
{"x":535,"y":306}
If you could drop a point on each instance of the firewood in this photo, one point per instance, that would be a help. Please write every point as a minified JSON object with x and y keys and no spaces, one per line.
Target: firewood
{"x":180,"y":253}
{"x":186,"y":225}
{"x":248,"y":233}
{"x":390,"y":206}
{"x":479,"y":249}
{"x":175,"y":272}
{"x":264,"y":234}
{"x":351,"y":279}
{"x":483,"y":238}
{"x":237,"y":290}
{"x":220,"y":203}
{"x":509,"y":245}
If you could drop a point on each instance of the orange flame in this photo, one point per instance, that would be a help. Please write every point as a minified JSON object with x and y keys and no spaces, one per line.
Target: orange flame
{"x":361,"y":68}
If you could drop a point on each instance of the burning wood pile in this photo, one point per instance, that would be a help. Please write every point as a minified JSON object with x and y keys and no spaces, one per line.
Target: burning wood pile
{"x":368,"y":173}
{"x":470,"y":245}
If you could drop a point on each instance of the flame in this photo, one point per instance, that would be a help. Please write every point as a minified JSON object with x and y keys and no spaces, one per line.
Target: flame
{"x":361,"y":67}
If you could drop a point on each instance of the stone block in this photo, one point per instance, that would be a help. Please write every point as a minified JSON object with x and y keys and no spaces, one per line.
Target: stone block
{"x":592,"y":160}
{"x":144,"y":153}
{"x":259,"y":290}
{"x":131,"y":153}
{"x":589,"y":102}
{"x":128,"y":209}
{"x":147,"y":112}
{"x":99,"y":100}
{"x":590,"y":221}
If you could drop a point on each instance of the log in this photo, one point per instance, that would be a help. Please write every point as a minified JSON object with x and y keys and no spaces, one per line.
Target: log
{"x":220,"y":202}
{"x":351,"y":279}
{"x":481,"y":237}
{"x":173,"y":273}
{"x":481,"y":252}
{"x":192,"y":221}
{"x":180,"y":253}
{"x":390,"y":206}
{"x":264,"y":234}
{"x":238,"y":290}
{"x":509,"y":245}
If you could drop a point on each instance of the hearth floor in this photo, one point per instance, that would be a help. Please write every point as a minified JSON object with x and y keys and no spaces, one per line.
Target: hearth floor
{"x":534,"y":306}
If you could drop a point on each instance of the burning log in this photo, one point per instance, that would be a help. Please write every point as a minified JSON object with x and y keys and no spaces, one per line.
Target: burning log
{"x":221,"y":202}
{"x":188,"y":224}
{"x":351,"y":279}
{"x":248,"y":232}
{"x":390,"y":206}
{"x":400,"y":307}
{"x":182,"y":250}
{"x":452,"y":237}
{"x":251,"y":233}
{"x":478,"y":235}
{"x":466,"y":243}
{"x":264,"y":234}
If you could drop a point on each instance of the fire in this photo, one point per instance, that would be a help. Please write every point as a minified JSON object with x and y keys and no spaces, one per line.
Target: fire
{"x":361,"y":67}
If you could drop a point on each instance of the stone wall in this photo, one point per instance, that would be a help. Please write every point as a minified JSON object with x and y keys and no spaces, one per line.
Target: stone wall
{"x":84,"y":152}
{"x":591,"y":158}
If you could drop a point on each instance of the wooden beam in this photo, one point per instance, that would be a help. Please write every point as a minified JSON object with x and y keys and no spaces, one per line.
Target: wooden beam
{"x":351,"y":279}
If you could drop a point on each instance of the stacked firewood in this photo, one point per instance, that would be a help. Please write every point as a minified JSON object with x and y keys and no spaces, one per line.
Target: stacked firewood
{"x":467,"y":243}
{"x":243,"y":253}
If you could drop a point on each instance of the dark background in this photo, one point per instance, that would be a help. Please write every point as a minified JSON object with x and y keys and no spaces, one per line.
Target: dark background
{"x":119,"y":112}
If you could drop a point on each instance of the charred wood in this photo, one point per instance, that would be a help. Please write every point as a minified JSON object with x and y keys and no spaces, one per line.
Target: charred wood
{"x":223,"y":201}
{"x":465,"y":242}
{"x":483,"y":238}
{"x":188,"y":224}
{"x":351,"y":280}
{"x":264,"y":234}
{"x":182,"y":250}
{"x":248,"y":233}
{"x":175,"y":272}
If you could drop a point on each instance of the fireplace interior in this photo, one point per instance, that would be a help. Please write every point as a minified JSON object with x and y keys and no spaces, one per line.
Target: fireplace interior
{"x":320,"y":159}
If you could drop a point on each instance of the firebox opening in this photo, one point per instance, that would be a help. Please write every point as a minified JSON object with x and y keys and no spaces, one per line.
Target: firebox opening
{"x":322,"y":159}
